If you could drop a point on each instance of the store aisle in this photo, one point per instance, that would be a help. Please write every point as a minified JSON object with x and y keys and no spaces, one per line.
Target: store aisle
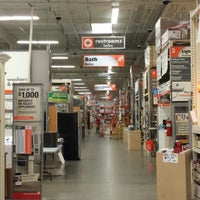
{"x":107,"y":171}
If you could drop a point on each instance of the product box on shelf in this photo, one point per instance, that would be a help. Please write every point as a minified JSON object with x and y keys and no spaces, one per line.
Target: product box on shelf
{"x":169,"y":35}
{"x":162,"y":24}
{"x":150,"y":56}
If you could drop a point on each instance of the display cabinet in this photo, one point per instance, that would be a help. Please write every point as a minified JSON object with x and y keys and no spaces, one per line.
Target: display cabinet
{"x":27,"y":141}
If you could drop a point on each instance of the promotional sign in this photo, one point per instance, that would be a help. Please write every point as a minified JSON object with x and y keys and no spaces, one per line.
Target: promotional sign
{"x":104,"y":42}
{"x":180,"y":61}
{"x":181,"y":91}
{"x":103,"y":60}
{"x":104,"y":87}
{"x":27,"y":102}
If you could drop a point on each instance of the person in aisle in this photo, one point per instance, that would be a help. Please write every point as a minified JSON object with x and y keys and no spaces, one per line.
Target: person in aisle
{"x":98,"y":122}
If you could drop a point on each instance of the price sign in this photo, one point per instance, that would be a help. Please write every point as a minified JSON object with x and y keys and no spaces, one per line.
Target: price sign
{"x":27,"y":102}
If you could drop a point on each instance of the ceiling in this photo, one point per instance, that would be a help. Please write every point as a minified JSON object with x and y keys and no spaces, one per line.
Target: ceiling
{"x":136,"y":22}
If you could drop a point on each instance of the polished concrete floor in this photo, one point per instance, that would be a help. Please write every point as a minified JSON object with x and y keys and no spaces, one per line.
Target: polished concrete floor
{"x":107,"y":171}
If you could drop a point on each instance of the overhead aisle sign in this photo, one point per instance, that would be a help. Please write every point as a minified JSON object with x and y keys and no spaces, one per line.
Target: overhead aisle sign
{"x":104,"y":87}
{"x":104,"y":60}
{"x":104,"y":42}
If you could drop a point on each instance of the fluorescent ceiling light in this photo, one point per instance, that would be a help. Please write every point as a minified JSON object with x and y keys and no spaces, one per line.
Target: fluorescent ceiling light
{"x":37,"y":42}
{"x":80,"y":87}
{"x":115,"y":13}
{"x":63,"y":66}
{"x":101,"y":27}
{"x":85,"y":93}
{"x":79,"y":83}
{"x":82,"y":90}
{"x":59,"y":57}
{"x":76,"y":79}
{"x":18,"y":18}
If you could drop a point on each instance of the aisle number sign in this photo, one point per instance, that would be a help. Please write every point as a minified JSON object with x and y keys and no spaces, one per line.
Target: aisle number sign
{"x":104,"y":42}
{"x":27,"y":102}
{"x":104,"y":60}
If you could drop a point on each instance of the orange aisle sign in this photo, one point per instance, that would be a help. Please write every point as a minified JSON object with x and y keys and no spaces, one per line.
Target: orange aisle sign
{"x":104,"y":60}
{"x":104,"y":87}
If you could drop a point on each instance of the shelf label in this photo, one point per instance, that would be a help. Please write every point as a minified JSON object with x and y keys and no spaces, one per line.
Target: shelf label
{"x":170,"y":157}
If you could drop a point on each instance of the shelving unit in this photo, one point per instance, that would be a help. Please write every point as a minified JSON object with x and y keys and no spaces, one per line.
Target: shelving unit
{"x":59,"y":100}
{"x":138,"y":103}
{"x":196,"y":160}
{"x":107,"y":112}
{"x":174,"y":91}
{"x":149,"y":113}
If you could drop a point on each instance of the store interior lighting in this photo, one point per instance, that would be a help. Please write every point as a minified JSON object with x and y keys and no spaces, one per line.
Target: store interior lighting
{"x":79,"y":83}
{"x":82,"y":90}
{"x":59,"y":57}
{"x":84,"y":93}
{"x":101,"y":28}
{"x":63,"y":66}
{"x":115,"y":13}
{"x":18,"y":18}
{"x":37,"y":42}
{"x":76,"y":79}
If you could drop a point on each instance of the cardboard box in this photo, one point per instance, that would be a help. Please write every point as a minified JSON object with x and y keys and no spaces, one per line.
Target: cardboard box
{"x":174,"y":179}
{"x":170,"y":35}
{"x":134,"y":140}
{"x":162,"y":24}
{"x":125,"y":134}
{"x":150,"y":56}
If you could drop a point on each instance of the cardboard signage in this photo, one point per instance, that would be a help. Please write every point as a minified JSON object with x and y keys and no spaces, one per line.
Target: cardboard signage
{"x":103,"y":60}
{"x":117,"y":42}
{"x":104,"y":87}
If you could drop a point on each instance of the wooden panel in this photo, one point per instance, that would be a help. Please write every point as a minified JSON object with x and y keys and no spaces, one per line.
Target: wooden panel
{"x":52,"y":118}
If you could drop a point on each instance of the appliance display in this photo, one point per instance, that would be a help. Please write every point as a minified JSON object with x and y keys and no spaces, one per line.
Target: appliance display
{"x":69,"y":128}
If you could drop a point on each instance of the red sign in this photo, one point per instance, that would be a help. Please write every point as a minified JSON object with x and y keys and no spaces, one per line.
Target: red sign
{"x":104,"y":87}
{"x":87,"y":43}
{"x":104,"y":60}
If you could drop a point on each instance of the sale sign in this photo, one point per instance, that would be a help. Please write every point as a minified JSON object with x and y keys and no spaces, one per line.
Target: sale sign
{"x":27,"y":102}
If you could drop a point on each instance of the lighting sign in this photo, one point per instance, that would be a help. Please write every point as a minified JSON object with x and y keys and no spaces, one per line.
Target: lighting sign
{"x":104,"y":87}
{"x":103,"y":60}
{"x":110,"y":42}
